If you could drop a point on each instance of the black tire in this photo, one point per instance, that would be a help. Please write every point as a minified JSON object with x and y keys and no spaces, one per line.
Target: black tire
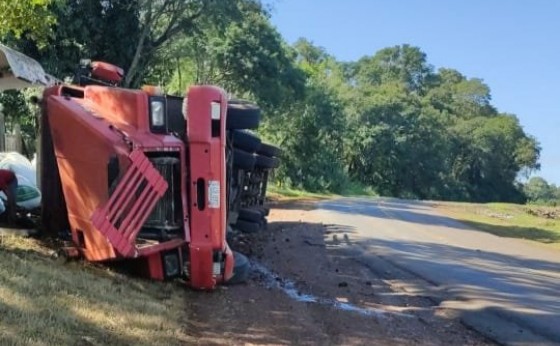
{"x":245,"y":140}
{"x":258,"y":209}
{"x":269,"y":150}
{"x":241,"y":269}
{"x":267,"y":162}
{"x":252,"y":215}
{"x":266,"y":211}
{"x":247,"y":226}
{"x":243,"y":160}
{"x":242,"y":115}
{"x":263,"y":210}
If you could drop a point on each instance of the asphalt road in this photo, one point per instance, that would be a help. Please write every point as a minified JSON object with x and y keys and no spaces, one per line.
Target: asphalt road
{"x":508,"y":289}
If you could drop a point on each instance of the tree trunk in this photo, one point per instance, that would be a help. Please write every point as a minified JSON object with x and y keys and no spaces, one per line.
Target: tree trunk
{"x":132,"y":69}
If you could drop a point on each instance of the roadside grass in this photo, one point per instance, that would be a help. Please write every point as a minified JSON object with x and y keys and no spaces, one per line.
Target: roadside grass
{"x":275,"y":192}
{"x":508,"y":220}
{"x":283,"y":193}
{"x":46,"y":302}
{"x":354,"y":189}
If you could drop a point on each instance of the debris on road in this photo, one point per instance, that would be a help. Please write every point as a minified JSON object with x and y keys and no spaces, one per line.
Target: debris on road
{"x":297,"y":299}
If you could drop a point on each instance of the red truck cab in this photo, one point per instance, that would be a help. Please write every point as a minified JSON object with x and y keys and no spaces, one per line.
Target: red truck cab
{"x":142,"y":177}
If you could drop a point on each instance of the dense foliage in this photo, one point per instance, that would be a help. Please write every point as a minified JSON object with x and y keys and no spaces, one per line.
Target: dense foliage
{"x":27,"y":18}
{"x":390,"y":121}
{"x":540,"y":191}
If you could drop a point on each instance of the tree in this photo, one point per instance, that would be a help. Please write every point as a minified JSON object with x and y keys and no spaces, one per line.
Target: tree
{"x":431,"y":135}
{"x":133,"y":34}
{"x":243,"y":53}
{"x":492,"y":152}
{"x":405,"y":64}
{"x":87,"y":29}
{"x":388,"y":121}
{"x":19,"y":110}
{"x":164,"y":21}
{"x":29,"y":18}
{"x":452,"y":93}
{"x":311,"y":134}
{"x":311,"y":131}
{"x":397,"y":146}
{"x":537,"y":189}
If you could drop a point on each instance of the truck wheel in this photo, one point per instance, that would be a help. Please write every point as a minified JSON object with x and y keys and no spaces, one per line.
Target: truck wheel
{"x":241,"y":269}
{"x":263,"y":210}
{"x":245,"y":140}
{"x":242,"y":115}
{"x":247,"y":226}
{"x":269,"y":150}
{"x":267,"y":162}
{"x":250,"y":215}
{"x":243,"y":160}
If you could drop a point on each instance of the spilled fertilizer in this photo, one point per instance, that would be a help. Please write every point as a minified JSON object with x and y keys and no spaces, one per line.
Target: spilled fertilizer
{"x":272,"y":280}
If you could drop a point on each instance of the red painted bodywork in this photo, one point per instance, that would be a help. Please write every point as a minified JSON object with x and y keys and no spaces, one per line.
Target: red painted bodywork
{"x":92,"y":125}
{"x":122,"y":216}
{"x":207,"y":162}
{"x":107,"y":72}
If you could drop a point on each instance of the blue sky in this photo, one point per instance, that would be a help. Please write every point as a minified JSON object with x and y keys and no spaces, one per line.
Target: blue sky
{"x":514,"y":46}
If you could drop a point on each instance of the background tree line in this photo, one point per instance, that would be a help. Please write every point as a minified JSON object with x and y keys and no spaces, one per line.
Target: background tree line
{"x":389,"y":122}
{"x":539,"y":191}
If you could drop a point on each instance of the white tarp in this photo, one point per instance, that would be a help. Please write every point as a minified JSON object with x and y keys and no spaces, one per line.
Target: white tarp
{"x":28,"y":196}
{"x":18,"y":71}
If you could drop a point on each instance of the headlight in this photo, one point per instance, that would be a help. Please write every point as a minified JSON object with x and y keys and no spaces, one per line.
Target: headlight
{"x":157,"y":112}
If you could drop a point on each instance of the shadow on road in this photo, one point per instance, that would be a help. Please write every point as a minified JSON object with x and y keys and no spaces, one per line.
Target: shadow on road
{"x":523,"y":290}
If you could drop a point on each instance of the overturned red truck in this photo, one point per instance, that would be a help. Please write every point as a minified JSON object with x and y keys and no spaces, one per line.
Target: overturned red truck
{"x":145,"y":177}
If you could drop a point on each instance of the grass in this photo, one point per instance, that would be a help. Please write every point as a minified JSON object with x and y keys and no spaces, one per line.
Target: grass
{"x":358,"y":190}
{"x":507,"y":220}
{"x":46,"y":302}
{"x":283,"y":193}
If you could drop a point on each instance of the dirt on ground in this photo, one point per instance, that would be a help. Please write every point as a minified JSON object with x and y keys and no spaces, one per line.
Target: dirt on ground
{"x":306,"y":288}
